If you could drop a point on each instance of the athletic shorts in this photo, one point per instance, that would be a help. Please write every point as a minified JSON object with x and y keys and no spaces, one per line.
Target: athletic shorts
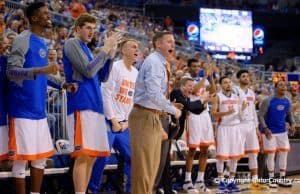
{"x":29,"y":139}
{"x":87,"y":133}
{"x":278,"y":143}
{"x":3,"y":142}
{"x":230,"y":144}
{"x":248,"y":132}
{"x":200,"y":130}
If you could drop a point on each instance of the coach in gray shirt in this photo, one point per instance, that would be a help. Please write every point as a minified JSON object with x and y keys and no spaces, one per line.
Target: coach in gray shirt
{"x":150,"y":100}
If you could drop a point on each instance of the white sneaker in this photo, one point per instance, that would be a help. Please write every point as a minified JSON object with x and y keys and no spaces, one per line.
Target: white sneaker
{"x":201,"y":187}
{"x":216,"y":181}
{"x":272,"y":183}
{"x":285,"y":182}
{"x":188,"y":187}
{"x":160,"y":191}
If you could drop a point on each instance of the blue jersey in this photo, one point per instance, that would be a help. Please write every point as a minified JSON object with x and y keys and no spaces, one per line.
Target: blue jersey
{"x":274,"y":112}
{"x":3,"y":91}
{"x":81,"y":67}
{"x":27,"y":93}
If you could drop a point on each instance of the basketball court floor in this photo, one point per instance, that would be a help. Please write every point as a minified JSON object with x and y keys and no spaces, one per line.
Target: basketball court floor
{"x":295,"y":189}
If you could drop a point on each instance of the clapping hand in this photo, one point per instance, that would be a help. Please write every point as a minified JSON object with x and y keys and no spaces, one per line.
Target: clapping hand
{"x":204,"y":95}
{"x":230,"y":110}
{"x":50,"y":69}
{"x":70,"y":87}
{"x":244,"y":105}
{"x":177,"y":105}
{"x":111,"y":43}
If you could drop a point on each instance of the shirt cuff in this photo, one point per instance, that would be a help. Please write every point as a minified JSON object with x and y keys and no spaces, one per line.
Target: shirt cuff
{"x":172,"y":110}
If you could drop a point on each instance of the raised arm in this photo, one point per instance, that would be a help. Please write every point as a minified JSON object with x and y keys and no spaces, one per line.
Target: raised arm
{"x":195,"y":107}
{"x":79,"y":60}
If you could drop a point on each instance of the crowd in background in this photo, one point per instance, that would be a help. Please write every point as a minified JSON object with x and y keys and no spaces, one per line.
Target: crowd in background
{"x":132,"y":24}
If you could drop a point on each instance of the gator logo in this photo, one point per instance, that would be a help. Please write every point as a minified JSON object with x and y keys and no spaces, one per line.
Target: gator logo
{"x":42,"y":53}
{"x":77,"y":148}
{"x":280,"y":107}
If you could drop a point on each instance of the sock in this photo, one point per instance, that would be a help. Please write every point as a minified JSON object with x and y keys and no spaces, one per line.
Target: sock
{"x":254,"y":178}
{"x":226,"y":172}
{"x":282,"y":173}
{"x":188,"y":176}
{"x":34,"y":192}
{"x":200,"y":176}
{"x":221,"y":178}
{"x":271,"y":174}
{"x":79,"y":192}
{"x":231,"y":178}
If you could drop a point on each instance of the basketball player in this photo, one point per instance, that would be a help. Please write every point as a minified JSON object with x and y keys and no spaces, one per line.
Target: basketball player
{"x":230,"y":146}
{"x":118,"y":101}
{"x":29,"y":136}
{"x":200,"y":133}
{"x":249,"y":125}
{"x":86,"y":122}
{"x":272,"y":116}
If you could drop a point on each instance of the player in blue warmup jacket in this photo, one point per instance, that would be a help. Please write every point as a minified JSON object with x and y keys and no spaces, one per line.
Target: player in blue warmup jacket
{"x":272,"y":116}
{"x":85,"y":121}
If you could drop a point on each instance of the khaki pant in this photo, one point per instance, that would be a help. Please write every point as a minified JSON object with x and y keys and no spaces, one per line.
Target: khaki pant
{"x":145,"y":141}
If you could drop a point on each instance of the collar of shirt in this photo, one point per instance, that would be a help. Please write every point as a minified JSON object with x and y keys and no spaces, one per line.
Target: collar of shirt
{"x":161,"y":57}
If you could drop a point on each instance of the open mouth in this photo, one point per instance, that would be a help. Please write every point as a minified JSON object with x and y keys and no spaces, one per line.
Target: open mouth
{"x":170,"y":51}
{"x":49,"y":22}
{"x":135,"y":54}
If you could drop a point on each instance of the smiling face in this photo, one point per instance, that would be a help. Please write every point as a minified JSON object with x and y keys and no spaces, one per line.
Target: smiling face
{"x":42,"y":17}
{"x":187,"y":88}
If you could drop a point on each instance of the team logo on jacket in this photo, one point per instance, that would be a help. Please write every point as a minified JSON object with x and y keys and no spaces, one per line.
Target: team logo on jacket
{"x":42,"y":53}
{"x":280,"y":107}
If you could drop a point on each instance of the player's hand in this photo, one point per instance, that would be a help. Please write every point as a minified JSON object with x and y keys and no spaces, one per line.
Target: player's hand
{"x":293,"y":130}
{"x":178,"y":114}
{"x":164,"y":135}
{"x":124,"y":125}
{"x":258,"y":134}
{"x":177,"y":105}
{"x":244,"y":105}
{"x":116,"y":126}
{"x":268,"y":133}
{"x":230,"y":110}
{"x":205,"y":97}
{"x":111,"y":43}
{"x":70,"y":87}
{"x":50,"y":69}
